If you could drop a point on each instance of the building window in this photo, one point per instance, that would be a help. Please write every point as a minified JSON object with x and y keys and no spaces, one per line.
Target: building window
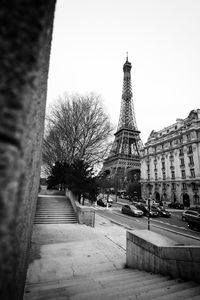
{"x":194,"y":186}
{"x":163,"y":165}
{"x":188,"y":137}
{"x":190,"y":150}
{"x":181,"y":140}
{"x":184,"y":186}
{"x":148,"y":168}
{"x":173,"y":186}
{"x":182,"y":162}
{"x":162,"y":158}
{"x":156,"y":176}
{"x":164,"y":176}
{"x":148,"y":175}
{"x":183,"y":174}
{"x":171,"y":156}
{"x":196,"y":199}
{"x":191,"y":159}
{"x":192,"y":173}
{"x":173,"y":174}
{"x":181,"y":152}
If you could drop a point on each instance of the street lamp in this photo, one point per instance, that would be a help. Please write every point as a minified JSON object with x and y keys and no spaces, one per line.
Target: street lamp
{"x":149,"y":199}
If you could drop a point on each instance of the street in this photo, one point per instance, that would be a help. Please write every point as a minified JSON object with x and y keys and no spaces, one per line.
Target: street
{"x":172,"y":227}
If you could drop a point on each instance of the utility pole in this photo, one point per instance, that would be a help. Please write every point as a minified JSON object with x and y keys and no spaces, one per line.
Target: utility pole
{"x":149,"y":213}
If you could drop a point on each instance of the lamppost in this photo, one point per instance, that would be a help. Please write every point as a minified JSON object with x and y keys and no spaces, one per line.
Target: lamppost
{"x":149,"y":200}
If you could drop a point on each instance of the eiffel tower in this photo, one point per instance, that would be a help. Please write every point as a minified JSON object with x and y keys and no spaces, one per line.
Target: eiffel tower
{"x":123,"y":161}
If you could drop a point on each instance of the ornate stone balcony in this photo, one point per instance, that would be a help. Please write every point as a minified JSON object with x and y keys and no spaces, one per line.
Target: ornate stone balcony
{"x":182,"y":166}
{"x":190,"y":165}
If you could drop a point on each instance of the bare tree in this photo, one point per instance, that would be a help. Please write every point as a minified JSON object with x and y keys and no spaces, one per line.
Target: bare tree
{"x":77,"y":128}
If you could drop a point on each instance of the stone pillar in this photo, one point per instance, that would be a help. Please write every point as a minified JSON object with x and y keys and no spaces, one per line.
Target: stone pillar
{"x":25,"y":39}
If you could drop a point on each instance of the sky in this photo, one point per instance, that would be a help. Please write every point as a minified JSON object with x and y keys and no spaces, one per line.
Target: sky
{"x":162,"y":38}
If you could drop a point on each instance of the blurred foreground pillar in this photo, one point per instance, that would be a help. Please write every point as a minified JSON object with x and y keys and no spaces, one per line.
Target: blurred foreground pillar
{"x":25,"y":39}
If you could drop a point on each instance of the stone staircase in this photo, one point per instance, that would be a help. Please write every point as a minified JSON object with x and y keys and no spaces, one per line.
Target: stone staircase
{"x":54,"y":210}
{"x":118,"y":284}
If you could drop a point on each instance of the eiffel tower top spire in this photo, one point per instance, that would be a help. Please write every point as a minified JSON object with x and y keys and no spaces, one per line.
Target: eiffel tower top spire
{"x":127,"y":118}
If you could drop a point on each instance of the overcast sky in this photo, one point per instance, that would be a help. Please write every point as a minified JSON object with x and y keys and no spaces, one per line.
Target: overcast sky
{"x":162,"y":37}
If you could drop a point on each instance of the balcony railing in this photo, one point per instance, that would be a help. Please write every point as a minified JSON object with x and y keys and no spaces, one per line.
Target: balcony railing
{"x":184,"y":188}
{"x":182,"y":166}
{"x":192,"y":176}
{"x":195,"y":189}
{"x":190,"y":165}
{"x":189,"y":152}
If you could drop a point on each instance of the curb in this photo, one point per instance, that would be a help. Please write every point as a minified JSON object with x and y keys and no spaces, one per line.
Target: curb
{"x":156,"y":226}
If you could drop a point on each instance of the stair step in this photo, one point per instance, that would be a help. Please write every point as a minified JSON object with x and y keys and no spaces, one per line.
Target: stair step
{"x":197,"y":297}
{"x":182,"y":294}
{"x":119,"y":284}
{"x":54,"y":211}
{"x":75,"y":287}
{"x":108,"y":292}
{"x":161,"y":289}
{"x":54,"y":218}
{"x":55,"y":222}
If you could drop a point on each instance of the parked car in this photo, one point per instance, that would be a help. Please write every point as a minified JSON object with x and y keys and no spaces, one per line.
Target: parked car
{"x":146,"y":211}
{"x":196,"y":208}
{"x":103,"y":203}
{"x":131,"y":210}
{"x":176,"y":205}
{"x":187,"y":213}
{"x":161,"y":211}
{"x":194,"y":221}
{"x":110,"y":200}
{"x":100,"y":202}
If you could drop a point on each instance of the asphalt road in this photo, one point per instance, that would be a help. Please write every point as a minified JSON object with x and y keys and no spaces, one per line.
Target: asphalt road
{"x":171,"y":227}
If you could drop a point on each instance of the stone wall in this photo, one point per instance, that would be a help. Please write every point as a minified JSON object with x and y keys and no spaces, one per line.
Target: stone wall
{"x":85,"y":214}
{"x":25,"y":39}
{"x":152,"y":252}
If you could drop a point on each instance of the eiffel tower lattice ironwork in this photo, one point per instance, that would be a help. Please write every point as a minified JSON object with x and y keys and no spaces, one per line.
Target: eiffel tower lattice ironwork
{"x":124,"y":157}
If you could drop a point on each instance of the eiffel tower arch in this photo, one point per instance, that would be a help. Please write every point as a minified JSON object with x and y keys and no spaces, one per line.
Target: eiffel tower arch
{"x":123,"y":161}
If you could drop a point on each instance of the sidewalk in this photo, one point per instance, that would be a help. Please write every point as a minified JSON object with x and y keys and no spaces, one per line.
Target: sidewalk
{"x":64,"y":251}
{"x":78,"y":262}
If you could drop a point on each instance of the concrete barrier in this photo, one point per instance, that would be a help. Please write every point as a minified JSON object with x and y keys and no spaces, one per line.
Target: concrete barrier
{"x":155,"y":253}
{"x":85,"y":215}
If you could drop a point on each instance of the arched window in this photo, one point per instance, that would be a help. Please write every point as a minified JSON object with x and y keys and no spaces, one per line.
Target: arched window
{"x":196,"y":199}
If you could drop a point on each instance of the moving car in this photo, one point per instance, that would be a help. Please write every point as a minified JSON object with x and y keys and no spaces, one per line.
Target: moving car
{"x":194,"y":221}
{"x":176,"y":205}
{"x":161,"y":211}
{"x":131,"y":210}
{"x":146,"y":211}
{"x":187,"y":213}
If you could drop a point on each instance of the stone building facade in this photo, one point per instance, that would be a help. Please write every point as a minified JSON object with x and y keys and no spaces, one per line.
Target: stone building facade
{"x":170,"y":162}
